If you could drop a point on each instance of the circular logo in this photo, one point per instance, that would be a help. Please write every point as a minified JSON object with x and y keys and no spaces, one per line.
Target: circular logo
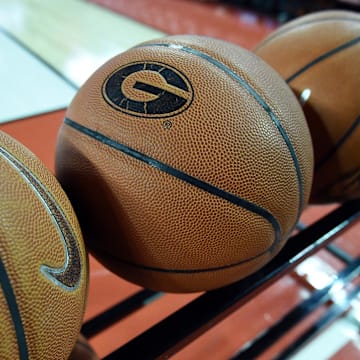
{"x":148,"y":89}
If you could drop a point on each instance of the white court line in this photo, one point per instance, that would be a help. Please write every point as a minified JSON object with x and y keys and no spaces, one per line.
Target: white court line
{"x":329,"y":342}
{"x":27,"y":87}
{"x":74,"y":37}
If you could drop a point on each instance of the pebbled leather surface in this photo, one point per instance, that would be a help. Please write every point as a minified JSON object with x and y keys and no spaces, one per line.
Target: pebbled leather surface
{"x":160,"y":231}
{"x":35,"y":216}
{"x":320,"y":52}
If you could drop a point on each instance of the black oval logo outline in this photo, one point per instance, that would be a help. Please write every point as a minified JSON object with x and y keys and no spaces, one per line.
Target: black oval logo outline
{"x":169,"y":100}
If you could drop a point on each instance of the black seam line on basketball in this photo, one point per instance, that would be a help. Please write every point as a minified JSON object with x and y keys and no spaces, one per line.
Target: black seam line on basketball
{"x":322,"y":57}
{"x":14,"y":312}
{"x":69,"y":276}
{"x":259,"y":100}
{"x":289,"y":28}
{"x":184,"y":271}
{"x":348,"y":133}
{"x":181,"y":175}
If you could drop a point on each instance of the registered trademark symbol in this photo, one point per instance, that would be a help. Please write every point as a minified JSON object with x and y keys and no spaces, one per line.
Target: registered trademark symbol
{"x":167,"y":124}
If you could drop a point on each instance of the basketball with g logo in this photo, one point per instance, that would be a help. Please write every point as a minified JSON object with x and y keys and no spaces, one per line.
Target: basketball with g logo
{"x":43,"y":263}
{"x":188,"y":161}
{"x":318,"y":56}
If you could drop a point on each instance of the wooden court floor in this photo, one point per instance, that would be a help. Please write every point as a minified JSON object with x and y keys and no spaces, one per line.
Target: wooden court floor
{"x":47,"y":51}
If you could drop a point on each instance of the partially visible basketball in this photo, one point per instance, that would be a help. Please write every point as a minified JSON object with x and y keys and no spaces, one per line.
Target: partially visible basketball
{"x":318,"y":55}
{"x":188,"y":161}
{"x":83,"y":350}
{"x":43,"y":264}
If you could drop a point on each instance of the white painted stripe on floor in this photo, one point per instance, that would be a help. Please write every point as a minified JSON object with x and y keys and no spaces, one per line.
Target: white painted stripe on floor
{"x":328,"y":343}
{"x":27,"y":87}
{"x":74,"y":37}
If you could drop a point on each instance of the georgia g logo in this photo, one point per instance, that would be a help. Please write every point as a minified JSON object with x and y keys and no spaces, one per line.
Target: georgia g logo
{"x":148,"y":89}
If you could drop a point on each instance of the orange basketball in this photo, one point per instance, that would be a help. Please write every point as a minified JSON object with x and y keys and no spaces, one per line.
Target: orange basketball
{"x":43,"y":264}
{"x":318,"y":55}
{"x":188,"y":161}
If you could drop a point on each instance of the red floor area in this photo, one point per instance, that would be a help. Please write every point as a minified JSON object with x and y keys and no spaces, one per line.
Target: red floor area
{"x":241,"y":27}
{"x":38,"y":133}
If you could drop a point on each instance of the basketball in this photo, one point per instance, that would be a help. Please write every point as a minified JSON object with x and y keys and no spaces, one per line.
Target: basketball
{"x":318,"y":55}
{"x":43,"y":264}
{"x":82,"y":350}
{"x":188,"y":162}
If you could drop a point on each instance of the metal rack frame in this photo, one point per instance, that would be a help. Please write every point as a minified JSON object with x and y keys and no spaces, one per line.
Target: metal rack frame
{"x":195,"y":318}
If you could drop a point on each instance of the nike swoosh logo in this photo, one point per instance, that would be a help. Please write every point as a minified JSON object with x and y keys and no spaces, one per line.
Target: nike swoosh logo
{"x":68,"y":276}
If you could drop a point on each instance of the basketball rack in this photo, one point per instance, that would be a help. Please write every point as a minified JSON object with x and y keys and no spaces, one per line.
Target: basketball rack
{"x":186,"y":324}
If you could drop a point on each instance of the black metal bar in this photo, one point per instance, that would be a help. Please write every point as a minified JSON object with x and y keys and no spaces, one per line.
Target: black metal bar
{"x":332,"y":248}
{"x":118,"y":312}
{"x":300,"y":226}
{"x":170,"y":335}
{"x":335,"y":311}
{"x":339,"y":253}
{"x":266,"y":339}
